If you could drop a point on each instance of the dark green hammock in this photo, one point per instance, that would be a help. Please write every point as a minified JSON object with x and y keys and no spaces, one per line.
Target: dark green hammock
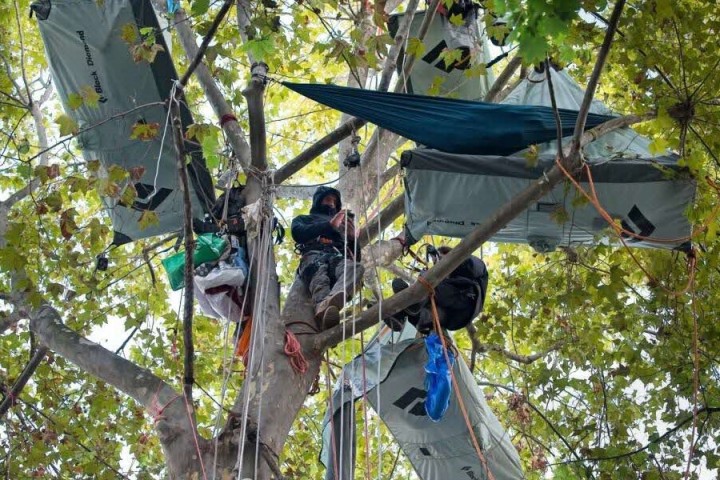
{"x":449,"y":125}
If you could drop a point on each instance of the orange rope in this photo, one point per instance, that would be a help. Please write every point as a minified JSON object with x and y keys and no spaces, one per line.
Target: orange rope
{"x":696,"y":381}
{"x":456,"y":387}
{"x":243,"y":345}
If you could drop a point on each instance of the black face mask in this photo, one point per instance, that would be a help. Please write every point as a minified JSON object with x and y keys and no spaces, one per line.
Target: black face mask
{"x":328,"y":210}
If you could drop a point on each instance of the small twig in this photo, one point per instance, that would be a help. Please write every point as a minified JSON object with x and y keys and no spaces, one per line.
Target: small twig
{"x":90,"y":127}
{"x":553,"y":102}
{"x":597,"y":70}
{"x":206,"y":41}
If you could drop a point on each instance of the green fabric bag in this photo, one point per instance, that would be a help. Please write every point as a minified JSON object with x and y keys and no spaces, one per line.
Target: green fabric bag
{"x":208,"y":248}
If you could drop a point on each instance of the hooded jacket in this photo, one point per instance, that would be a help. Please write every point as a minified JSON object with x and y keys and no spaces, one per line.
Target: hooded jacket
{"x":314,"y":232}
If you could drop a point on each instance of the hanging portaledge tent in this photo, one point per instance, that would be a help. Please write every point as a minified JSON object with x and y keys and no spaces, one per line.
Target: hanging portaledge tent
{"x":88,"y":45}
{"x":437,"y":450}
{"x":431,"y":73}
{"x":450,"y":195}
{"x":448,"y":124}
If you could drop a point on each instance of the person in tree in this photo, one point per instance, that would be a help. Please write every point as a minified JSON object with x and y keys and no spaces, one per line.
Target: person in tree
{"x":329,"y":265}
{"x":459,"y":298}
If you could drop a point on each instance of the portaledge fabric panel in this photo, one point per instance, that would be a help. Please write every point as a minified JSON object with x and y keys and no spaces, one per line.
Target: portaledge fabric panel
{"x":449,"y":125}
{"x":428,"y":67}
{"x":437,"y":450}
{"x":450,"y":195}
{"x":84,"y":49}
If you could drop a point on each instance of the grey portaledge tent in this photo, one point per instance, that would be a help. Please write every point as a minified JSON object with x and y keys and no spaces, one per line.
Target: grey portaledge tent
{"x":429,"y":68}
{"x":392,"y":379}
{"x":449,"y":195}
{"x":85,"y":49}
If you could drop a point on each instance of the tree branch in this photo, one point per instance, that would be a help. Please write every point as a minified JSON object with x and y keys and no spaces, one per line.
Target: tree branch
{"x":220,"y":106}
{"x":22,"y":54}
{"x":256,"y":114}
{"x":206,"y":41}
{"x":244,"y":25}
{"x":480,"y":347}
{"x":503,"y":79}
{"x":470,"y":243}
{"x":597,"y":70}
{"x":11,"y":396}
{"x":175,"y":430}
{"x":707,"y":410}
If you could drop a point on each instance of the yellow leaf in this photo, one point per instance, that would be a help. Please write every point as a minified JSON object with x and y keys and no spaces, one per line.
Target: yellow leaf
{"x":144,"y":131}
{"x":457,"y":20}
{"x":148,"y":219}
{"x":415,"y":47}
{"x":129,"y":34}
{"x":75,"y":101}
{"x":67,"y":125}
{"x":89,"y":96}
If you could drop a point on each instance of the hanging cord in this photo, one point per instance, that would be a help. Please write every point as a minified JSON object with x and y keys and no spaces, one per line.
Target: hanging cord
{"x":456,"y":388}
{"x":173,"y":90}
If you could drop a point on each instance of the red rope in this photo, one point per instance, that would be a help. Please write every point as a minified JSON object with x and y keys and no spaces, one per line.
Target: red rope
{"x":156,"y":410}
{"x":294,"y":352}
{"x":226,"y":118}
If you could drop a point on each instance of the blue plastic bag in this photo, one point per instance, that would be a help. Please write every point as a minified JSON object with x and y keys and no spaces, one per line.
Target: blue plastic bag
{"x":438,"y":381}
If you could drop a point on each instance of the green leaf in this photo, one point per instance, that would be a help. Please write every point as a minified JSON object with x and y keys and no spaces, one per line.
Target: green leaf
{"x":66,"y":125}
{"x":90,"y":96}
{"x":148,"y":219}
{"x":531,"y":156}
{"x":75,"y":101}
{"x":129,"y":34}
{"x":116,"y":173}
{"x":199,"y":7}
{"x":415,"y":47}
{"x":457,"y":20}
{"x":93,"y":165}
{"x":144,"y":131}
{"x":129,"y":194}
